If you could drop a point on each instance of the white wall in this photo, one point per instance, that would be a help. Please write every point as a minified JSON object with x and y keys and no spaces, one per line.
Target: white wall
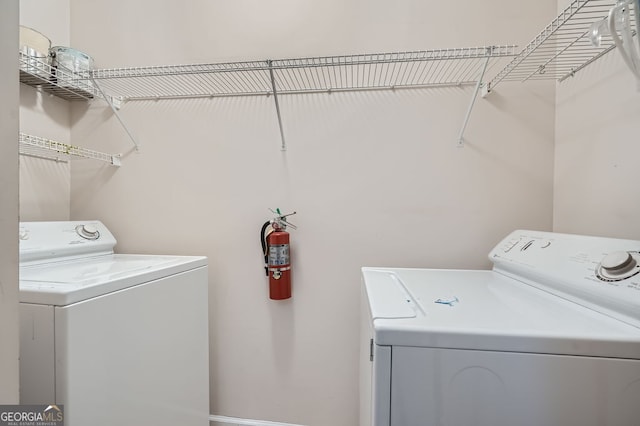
{"x":45,"y":187}
{"x":376,"y":178}
{"x":9,"y":112}
{"x":597,"y":152}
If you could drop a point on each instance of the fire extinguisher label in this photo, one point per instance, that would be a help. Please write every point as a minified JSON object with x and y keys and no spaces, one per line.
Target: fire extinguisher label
{"x":279,"y":254}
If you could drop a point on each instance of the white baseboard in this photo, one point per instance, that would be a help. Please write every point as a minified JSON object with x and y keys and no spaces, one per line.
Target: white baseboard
{"x":216,"y":420}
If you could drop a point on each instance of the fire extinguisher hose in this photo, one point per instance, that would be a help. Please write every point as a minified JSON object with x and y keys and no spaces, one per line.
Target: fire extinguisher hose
{"x":263,"y":241}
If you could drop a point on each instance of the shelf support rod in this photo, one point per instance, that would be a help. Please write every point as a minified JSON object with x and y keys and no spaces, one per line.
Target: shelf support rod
{"x":109,"y":101}
{"x":473,"y":98}
{"x":283,"y":147}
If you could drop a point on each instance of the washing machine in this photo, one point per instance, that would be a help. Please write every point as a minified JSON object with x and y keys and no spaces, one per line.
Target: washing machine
{"x":116,"y":339}
{"x":549,"y":337}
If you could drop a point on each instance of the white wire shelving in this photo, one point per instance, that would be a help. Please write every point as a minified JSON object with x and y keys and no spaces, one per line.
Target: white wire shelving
{"x":273,"y":77}
{"x":36,"y":146}
{"x":376,"y":71}
{"x":562,"y":48}
{"x":72,"y":86}
{"x":40,"y":74}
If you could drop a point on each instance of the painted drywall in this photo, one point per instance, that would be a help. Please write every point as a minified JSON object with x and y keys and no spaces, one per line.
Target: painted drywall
{"x":376,"y":177}
{"x":597,"y":152}
{"x":45,"y":187}
{"x":9,"y":113}
{"x":373,"y":169}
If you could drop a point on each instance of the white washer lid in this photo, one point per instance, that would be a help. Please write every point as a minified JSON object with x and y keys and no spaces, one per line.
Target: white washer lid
{"x":485,"y":310}
{"x":65,"y":282}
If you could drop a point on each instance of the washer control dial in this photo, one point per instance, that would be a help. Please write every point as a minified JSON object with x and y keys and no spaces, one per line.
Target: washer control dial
{"x":618,"y":265}
{"x":88,"y":231}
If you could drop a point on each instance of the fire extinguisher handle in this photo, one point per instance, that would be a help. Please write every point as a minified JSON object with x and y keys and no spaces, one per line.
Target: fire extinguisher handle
{"x":282,"y":221}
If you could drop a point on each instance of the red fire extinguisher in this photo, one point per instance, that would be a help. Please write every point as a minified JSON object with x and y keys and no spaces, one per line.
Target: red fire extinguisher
{"x":275,"y":247}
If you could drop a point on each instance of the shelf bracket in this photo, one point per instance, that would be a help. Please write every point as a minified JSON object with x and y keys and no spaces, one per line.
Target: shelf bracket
{"x":283,"y":147}
{"x":109,"y":101}
{"x":473,"y":98}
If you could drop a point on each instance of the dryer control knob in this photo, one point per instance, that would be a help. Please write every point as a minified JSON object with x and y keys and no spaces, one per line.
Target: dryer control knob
{"x":618,"y":262}
{"x":618,"y":266}
{"x":88,"y":231}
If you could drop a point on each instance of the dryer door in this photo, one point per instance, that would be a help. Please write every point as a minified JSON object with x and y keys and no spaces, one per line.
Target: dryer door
{"x":452,"y":387}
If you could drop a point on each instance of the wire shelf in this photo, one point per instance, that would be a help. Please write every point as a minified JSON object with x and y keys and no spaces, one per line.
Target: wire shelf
{"x":425,"y":68}
{"x":378,"y":71}
{"x":563,"y":48}
{"x":38,"y":73}
{"x":45,"y":148}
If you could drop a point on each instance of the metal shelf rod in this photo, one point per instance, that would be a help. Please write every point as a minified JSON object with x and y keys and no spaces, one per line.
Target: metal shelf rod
{"x":115,"y":111}
{"x":473,"y":101}
{"x":283,"y":147}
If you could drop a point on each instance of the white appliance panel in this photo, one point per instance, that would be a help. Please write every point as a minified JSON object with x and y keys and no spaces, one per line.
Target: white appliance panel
{"x":51,"y":241}
{"x":488,"y":311}
{"x":568,"y":266}
{"x":366,"y":368}
{"x":374,"y":377}
{"x":135,"y":350}
{"x":37,"y":353}
{"x":483,"y":388}
{"x":69,"y":281}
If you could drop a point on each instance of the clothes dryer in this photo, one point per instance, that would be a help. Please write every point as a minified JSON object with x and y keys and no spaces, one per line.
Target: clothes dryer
{"x":549,"y":337}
